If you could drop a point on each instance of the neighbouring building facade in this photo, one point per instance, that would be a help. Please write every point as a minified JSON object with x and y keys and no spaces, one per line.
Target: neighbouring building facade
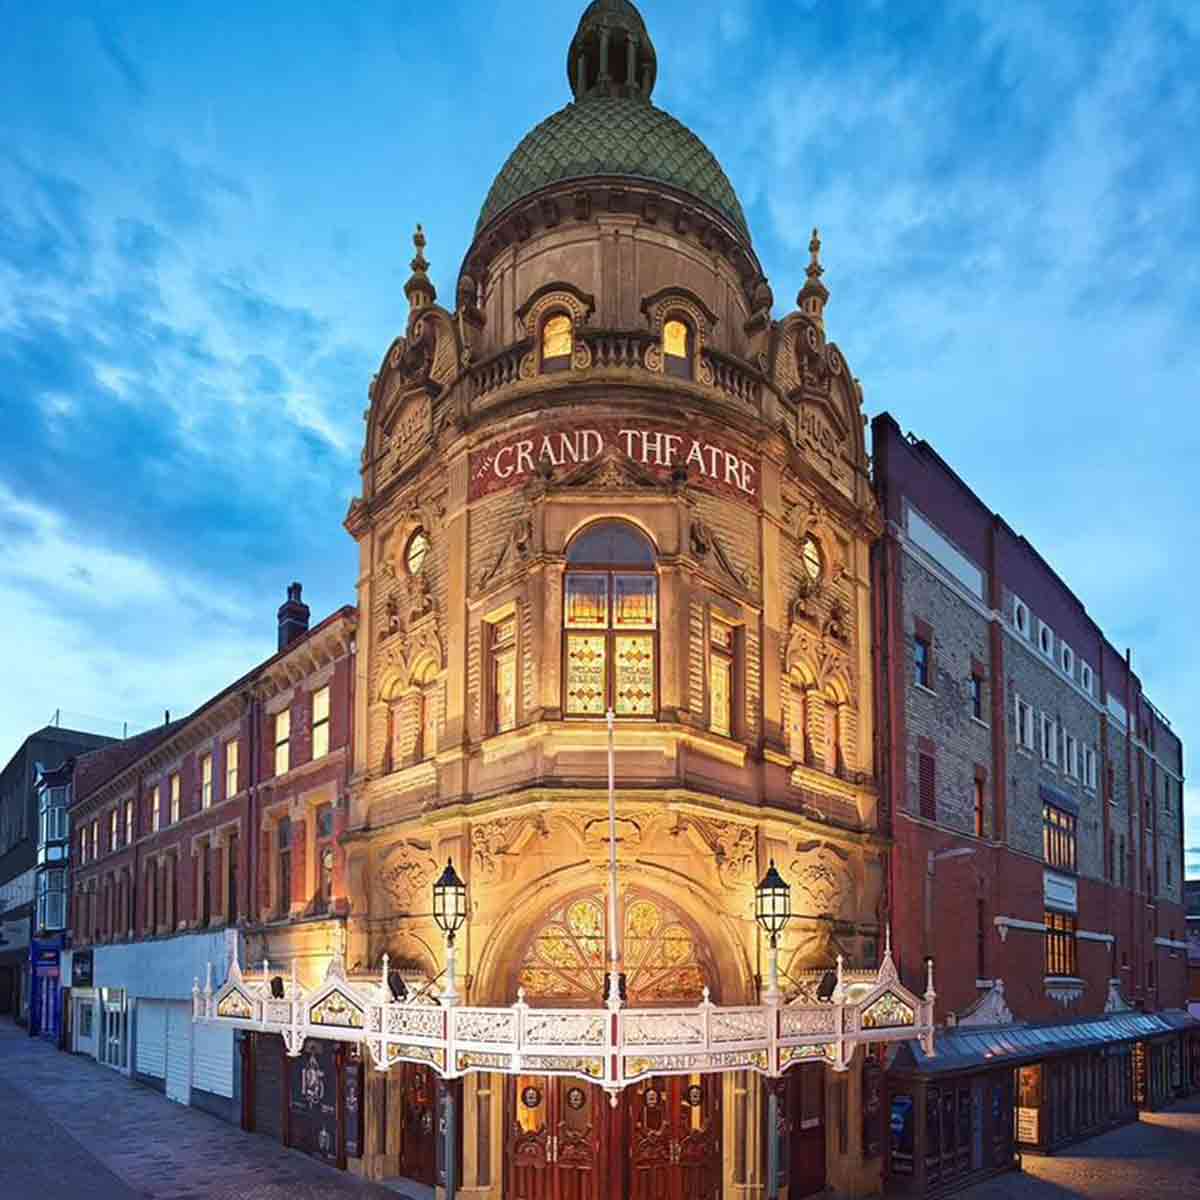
{"x":611,"y":477}
{"x":31,"y":881}
{"x":1037,"y":819}
{"x":216,"y":827}
{"x":1192,"y":899}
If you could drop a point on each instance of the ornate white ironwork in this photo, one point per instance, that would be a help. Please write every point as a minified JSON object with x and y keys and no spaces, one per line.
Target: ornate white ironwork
{"x":599,"y":1045}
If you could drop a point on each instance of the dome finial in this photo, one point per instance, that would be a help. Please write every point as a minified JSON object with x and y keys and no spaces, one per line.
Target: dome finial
{"x":814,"y":294}
{"x":419,"y":289}
{"x":611,"y":53}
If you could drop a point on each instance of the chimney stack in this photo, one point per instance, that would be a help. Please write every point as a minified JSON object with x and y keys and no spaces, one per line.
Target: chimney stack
{"x":293,"y":617}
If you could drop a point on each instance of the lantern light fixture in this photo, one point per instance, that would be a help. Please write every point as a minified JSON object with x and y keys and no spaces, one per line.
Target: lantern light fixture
{"x":773,"y":904}
{"x":450,"y":902}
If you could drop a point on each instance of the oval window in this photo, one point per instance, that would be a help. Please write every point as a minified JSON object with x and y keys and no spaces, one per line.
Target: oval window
{"x":811,"y":553}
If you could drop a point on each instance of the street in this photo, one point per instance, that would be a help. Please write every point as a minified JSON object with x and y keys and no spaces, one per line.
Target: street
{"x":75,"y":1129}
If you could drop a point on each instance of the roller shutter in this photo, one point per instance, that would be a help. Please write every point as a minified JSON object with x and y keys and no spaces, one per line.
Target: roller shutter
{"x":152,"y":1038}
{"x":179,"y":1052}
{"x":212,"y":1059}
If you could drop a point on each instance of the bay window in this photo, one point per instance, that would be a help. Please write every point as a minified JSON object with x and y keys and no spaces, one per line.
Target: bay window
{"x":610,"y":620}
{"x":52,"y":899}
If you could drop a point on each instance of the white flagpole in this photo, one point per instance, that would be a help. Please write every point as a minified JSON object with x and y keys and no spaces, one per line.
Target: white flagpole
{"x":614,"y":952}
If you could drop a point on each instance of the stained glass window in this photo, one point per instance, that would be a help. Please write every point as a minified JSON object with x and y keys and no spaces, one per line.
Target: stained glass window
{"x":634,"y":660}
{"x":611,"y":667}
{"x":504,"y":675}
{"x":566,"y":959}
{"x":586,"y":675}
{"x":721,"y":679}
{"x":587,"y":601}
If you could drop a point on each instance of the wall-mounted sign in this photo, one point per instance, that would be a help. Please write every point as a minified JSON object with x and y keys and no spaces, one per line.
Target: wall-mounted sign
{"x":711,"y":461}
{"x":1061,"y":892}
{"x":81,"y":969}
{"x":1027,"y":1126}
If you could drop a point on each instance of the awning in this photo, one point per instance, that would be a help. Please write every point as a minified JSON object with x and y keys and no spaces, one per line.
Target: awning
{"x":1015,"y":1045}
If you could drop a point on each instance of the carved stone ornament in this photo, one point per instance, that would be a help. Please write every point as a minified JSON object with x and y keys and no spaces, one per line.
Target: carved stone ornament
{"x":681,"y":303}
{"x":734,"y":848}
{"x":819,"y":657}
{"x":492,"y":841}
{"x":1114,"y":1001}
{"x":702,"y":541}
{"x":990,"y":1009}
{"x":406,"y":872}
{"x":516,"y":549}
{"x":821,"y":876}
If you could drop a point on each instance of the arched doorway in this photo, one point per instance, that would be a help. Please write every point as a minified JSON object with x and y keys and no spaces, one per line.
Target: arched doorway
{"x":564,"y":1140}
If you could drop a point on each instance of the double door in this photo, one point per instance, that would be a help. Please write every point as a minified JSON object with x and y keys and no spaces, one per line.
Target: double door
{"x":566,"y":1142}
{"x":675,"y":1138}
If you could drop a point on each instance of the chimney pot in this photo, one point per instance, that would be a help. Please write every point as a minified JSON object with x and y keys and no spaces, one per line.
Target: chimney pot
{"x":293,"y":617}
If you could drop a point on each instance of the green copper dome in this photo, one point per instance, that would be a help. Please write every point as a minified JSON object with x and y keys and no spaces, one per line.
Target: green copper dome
{"x":613,"y":135}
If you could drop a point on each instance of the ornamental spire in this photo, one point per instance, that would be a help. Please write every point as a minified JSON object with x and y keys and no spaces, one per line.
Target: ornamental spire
{"x":814,"y":294}
{"x":419,"y":289}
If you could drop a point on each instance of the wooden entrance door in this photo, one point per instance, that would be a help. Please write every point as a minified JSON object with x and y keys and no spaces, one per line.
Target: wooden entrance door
{"x":556,"y":1139}
{"x":804,"y":1108}
{"x":412,"y":1105}
{"x":675,"y":1138}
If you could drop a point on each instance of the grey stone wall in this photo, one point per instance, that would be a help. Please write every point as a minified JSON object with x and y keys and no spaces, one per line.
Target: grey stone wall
{"x":943,"y":714}
{"x":1040,"y":683}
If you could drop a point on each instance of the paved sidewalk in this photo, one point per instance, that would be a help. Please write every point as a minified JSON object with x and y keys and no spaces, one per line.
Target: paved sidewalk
{"x":75,"y":1130}
{"x":1156,"y":1158}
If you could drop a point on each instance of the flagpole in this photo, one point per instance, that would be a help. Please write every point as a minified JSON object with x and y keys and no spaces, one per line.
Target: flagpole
{"x":614,"y":952}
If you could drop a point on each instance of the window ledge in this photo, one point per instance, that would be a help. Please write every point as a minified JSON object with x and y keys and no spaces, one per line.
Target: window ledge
{"x":923,"y":688}
{"x":980,"y":721}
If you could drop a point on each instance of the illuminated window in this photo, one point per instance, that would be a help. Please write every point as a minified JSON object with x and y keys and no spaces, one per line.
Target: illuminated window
{"x":1060,"y":944}
{"x":231,"y":767}
{"x":156,"y":814}
{"x":128,"y":822}
{"x":610,"y":616}
{"x":1058,"y":837}
{"x":324,"y":897}
{"x":677,"y":349}
{"x":503,"y":655}
{"x":174,"y":798}
{"x":206,"y":781}
{"x":558,"y":343}
{"x":283,"y":736}
{"x":112,"y":829}
{"x":320,"y":723}
{"x":284,"y":866}
{"x":721,"y":677}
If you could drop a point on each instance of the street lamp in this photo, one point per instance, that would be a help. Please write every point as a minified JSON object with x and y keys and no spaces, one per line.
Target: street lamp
{"x":772,"y":910}
{"x":450,"y":913}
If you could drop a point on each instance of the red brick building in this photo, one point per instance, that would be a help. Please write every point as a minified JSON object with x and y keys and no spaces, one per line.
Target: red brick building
{"x":1035,"y":798}
{"x":225,"y":820}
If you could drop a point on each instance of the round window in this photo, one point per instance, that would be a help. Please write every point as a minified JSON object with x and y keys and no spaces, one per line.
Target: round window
{"x":811,"y":554}
{"x":414,"y":555}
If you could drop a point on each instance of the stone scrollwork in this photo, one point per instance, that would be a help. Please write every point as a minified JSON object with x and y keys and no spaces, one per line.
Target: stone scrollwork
{"x":407,"y":870}
{"x":749,"y":1026}
{"x":550,"y":298}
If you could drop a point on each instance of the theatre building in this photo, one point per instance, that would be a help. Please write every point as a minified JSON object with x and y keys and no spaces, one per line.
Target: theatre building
{"x":1036,"y":806}
{"x":609,"y":476}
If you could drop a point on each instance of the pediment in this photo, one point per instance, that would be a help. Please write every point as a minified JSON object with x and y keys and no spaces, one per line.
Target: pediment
{"x":611,"y":469}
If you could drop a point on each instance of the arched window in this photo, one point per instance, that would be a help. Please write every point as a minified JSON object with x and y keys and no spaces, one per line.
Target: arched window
{"x":833,"y":735}
{"x":610,"y":614}
{"x":558,"y":342}
{"x":797,"y":716}
{"x":677,"y":348}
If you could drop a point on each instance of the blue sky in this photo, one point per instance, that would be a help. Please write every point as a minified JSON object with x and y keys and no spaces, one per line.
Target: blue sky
{"x":205,"y":224}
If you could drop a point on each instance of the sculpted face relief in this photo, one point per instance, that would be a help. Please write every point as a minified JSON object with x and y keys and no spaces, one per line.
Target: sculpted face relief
{"x":660,"y":449}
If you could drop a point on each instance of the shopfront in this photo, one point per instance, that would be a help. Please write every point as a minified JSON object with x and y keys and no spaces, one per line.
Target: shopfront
{"x":991,"y":1093}
{"x":45,"y":1001}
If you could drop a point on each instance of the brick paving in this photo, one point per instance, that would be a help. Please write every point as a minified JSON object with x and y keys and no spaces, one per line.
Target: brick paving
{"x":1156,"y":1158}
{"x":75,"y":1129}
